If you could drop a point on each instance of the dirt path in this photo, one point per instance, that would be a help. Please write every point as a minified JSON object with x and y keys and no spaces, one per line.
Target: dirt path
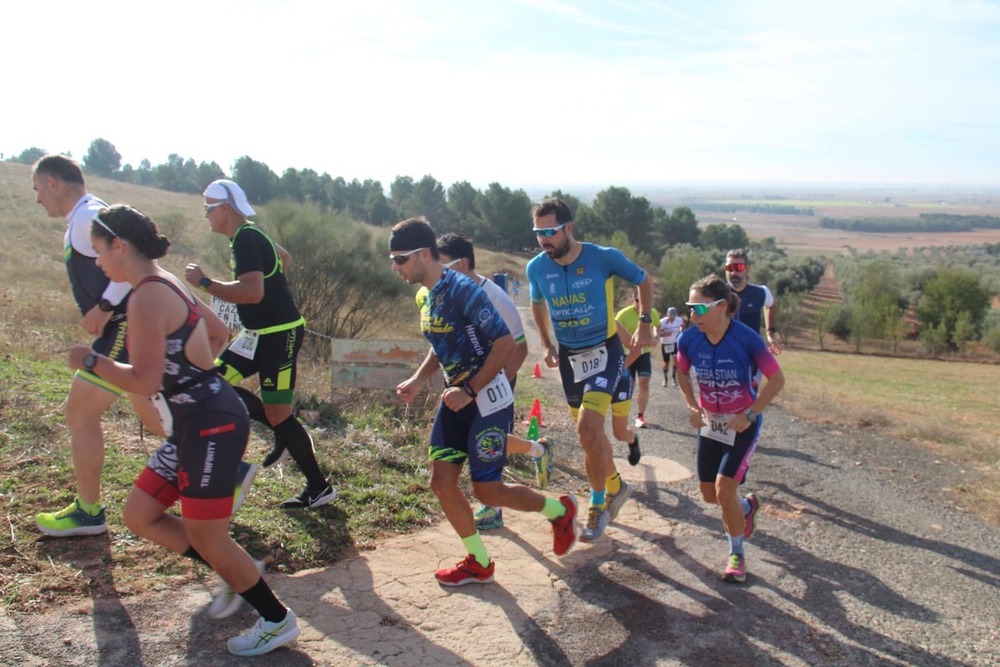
{"x":859,"y":560}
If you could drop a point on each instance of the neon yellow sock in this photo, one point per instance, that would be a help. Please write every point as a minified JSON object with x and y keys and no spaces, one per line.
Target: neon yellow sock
{"x":614,"y":483}
{"x":553,"y":509}
{"x":474,"y":545}
{"x":93,"y":509}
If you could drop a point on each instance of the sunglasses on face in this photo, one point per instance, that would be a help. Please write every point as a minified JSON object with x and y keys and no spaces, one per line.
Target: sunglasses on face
{"x":402,"y":257}
{"x":548,"y":232}
{"x":210,"y":207}
{"x":703,"y":308}
{"x":736,"y":267}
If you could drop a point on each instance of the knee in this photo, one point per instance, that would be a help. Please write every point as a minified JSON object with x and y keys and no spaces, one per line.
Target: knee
{"x":708,"y":494}
{"x":589,"y":436}
{"x":276,"y":414}
{"x":136,"y":521}
{"x":441,"y":486}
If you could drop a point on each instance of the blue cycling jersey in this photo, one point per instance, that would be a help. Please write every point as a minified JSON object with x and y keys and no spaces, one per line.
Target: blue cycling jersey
{"x":461,"y":323}
{"x":580,"y":295}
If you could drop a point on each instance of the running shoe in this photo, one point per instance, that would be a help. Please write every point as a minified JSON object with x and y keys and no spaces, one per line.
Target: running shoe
{"x":467,"y":571}
{"x":597,"y":520}
{"x":310,"y":499}
{"x":640,"y":422}
{"x":634,"y":453}
{"x":544,"y":464}
{"x":245,"y":474}
{"x":616,"y":500}
{"x":277,"y":455}
{"x":488,"y":518}
{"x":265,"y":636}
{"x":564,"y":527}
{"x":736,"y":570}
{"x":750,"y":517}
{"x":227,"y":601}
{"x":663,"y":384}
{"x":70,"y":521}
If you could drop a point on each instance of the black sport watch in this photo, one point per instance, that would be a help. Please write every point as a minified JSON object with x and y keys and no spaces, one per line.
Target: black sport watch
{"x":89,"y":361}
{"x":647,"y":318}
{"x":105,"y":305}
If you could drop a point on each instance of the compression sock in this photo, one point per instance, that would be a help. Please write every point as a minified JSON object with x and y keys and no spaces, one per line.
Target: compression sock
{"x":292,"y":436}
{"x":614,"y":483}
{"x":745,"y":504}
{"x":93,"y":509}
{"x":597,"y":498}
{"x":254,"y":405}
{"x":735,"y":544}
{"x":553,"y":509}
{"x":536,"y":449}
{"x":474,"y":545}
{"x":262,"y":598}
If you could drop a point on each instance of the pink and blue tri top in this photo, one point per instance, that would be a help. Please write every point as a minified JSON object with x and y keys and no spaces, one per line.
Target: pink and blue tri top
{"x":725,"y":371}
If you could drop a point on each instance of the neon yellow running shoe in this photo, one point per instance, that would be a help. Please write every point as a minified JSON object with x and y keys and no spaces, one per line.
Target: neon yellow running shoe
{"x":71,"y":521}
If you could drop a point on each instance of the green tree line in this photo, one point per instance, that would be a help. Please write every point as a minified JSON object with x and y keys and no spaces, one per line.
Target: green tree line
{"x":925,"y":222}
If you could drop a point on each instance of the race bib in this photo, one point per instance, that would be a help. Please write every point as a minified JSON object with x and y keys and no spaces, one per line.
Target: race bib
{"x":670,"y":348}
{"x":163,"y":410}
{"x":245,"y":344}
{"x":718,"y":429}
{"x":495,"y":396}
{"x":588,"y":364}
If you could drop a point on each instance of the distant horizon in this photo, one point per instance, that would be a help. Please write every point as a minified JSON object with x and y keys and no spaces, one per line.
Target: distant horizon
{"x":524,"y":92}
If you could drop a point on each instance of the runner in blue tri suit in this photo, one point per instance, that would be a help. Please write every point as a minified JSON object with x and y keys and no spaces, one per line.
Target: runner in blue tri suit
{"x":572,"y":294}
{"x":471,"y":343}
{"x":173,"y":341}
{"x":725,"y":355}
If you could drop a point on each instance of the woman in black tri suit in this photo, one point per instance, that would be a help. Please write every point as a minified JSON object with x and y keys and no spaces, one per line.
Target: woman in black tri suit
{"x":173,"y":339}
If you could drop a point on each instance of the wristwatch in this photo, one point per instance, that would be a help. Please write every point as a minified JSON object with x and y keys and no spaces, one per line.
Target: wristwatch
{"x":647,"y":318}
{"x":467,"y":388}
{"x":105,"y":305}
{"x":204,"y":282}
{"x":89,"y":361}
{"x":751,"y":415}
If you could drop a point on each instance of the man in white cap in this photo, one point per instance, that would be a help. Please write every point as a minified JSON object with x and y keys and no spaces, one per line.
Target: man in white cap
{"x":670,"y":329}
{"x":271,"y":336}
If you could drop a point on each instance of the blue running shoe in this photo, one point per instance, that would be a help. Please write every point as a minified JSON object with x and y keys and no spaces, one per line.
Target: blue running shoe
{"x":488,"y":518}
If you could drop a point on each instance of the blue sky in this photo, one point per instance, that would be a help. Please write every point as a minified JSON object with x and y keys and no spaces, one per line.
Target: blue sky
{"x":522,"y":92}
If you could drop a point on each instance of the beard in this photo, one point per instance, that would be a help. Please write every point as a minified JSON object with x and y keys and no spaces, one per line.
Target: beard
{"x":555,"y":252}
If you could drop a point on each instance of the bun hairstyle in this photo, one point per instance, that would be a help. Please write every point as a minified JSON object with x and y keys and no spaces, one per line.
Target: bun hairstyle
{"x":132,"y":225}
{"x":713,"y":287}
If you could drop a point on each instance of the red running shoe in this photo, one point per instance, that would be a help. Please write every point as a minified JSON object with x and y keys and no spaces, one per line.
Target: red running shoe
{"x":564,"y":527}
{"x":468,"y":571}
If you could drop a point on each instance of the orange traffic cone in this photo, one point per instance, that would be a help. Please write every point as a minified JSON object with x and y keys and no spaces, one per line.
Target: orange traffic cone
{"x":536,"y":412}
{"x":538,"y":372}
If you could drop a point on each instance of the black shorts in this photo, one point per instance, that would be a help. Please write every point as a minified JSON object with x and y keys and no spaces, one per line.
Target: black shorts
{"x":274,"y":360}
{"x":596,"y":391}
{"x":668,"y":350}
{"x":642,"y":366}
{"x":198,"y":462}
{"x":111,"y":343}
{"x":719,"y":459}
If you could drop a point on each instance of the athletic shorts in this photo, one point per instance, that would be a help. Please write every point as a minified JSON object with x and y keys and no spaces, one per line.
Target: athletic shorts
{"x":642,"y":366}
{"x":621,"y":402}
{"x":668,"y":350}
{"x":198,"y":463}
{"x":457,"y":436}
{"x":111,"y":344}
{"x":274,"y":360}
{"x":717,"y":458}
{"x":594,"y":392}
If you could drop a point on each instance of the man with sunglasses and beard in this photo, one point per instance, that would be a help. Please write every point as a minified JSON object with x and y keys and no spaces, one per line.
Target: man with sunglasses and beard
{"x":572,"y":286}
{"x":754,"y":299}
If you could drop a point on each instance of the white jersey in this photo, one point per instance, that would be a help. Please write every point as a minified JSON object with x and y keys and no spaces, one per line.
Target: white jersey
{"x":505,"y":306}
{"x":669,"y":331}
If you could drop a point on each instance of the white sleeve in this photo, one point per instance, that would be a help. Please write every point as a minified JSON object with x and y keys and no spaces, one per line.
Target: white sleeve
{"x":768,"y":297}
{"x":505,"y":306}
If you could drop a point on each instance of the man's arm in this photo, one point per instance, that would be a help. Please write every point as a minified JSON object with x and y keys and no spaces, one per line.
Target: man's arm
{"x":540,"y":313}
{"x":247,"y":288}
{"x":643,"y":336}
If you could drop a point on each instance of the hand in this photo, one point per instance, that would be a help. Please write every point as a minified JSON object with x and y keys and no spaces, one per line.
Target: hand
{"x":76,"y":355}
{"x":642,"y":338}
{"x":740,"y":422}
{"x":772,"y":345}
{"x":551,"y":356}
{"x":95,"y":320}
{"x":455,"y":398}
{"x":696,"y":417}
{"x":193,"y":274}
{"x":408,"y":389}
